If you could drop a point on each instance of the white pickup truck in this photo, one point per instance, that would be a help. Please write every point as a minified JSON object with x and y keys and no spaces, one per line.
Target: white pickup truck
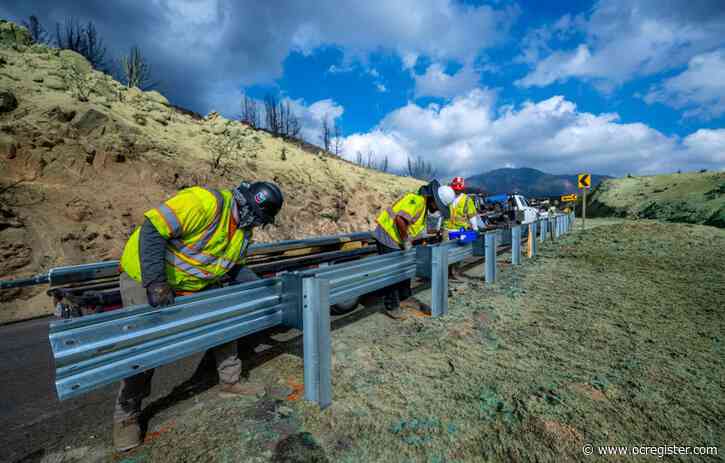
{"x":524,"y":212}
{"x":513,"y":206}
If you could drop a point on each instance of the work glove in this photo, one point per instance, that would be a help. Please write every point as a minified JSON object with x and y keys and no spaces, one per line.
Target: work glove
{"x":160,"y":294}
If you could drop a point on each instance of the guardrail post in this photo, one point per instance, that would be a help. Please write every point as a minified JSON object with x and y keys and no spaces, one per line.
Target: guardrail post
{"x":490,"y":262}
{"x":532,"y":239}
{"x":439,"y":281}
{"x":542,"y":232}
{"x":317,"y":341}
{"x":516,"y":245}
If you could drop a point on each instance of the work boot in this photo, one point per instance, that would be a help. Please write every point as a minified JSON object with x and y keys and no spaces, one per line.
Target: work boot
{"x":413,"y":303}
{"x":242,"y":389}
{"x":396,"y":313}
{"x":126,"y":434}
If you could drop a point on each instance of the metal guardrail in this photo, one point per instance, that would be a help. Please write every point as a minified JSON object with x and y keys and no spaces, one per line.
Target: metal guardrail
{"x":107,"y":269}
{"x":97,"y":350}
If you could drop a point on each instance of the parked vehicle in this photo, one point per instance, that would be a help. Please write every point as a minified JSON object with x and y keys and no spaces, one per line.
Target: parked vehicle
{"x":509,"y":208}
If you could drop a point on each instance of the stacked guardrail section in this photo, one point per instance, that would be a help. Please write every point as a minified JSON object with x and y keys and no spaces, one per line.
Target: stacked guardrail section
{"x":97,"y":350}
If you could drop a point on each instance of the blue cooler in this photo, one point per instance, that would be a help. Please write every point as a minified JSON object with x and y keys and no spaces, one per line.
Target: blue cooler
{"x":463,"y":236}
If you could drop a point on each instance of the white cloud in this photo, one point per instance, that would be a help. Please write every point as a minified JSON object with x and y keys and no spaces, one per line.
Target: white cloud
{"x":380,"y":87}
{"x":706,"y":146}
{"x":470,"y":135}
{"x":624,"y":39}
{"x":437,"y":83}
{"x":311,"y":117}
{"x":700,"y":88}
{"x":193,"y":45}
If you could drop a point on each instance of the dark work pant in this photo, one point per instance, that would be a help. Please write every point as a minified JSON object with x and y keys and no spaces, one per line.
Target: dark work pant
{"x":397,"y":292}
{"x":136,"y":388}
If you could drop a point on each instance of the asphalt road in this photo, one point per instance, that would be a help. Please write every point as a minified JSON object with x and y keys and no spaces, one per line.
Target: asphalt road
{"x":33,"y":420}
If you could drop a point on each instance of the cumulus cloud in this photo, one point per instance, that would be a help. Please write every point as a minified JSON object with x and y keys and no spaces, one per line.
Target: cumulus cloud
{"x":624,"y":39}
{"x":700,"y":88}
{"x":311,"y":117}
{"x":194,"y":43}
{"x":437,"y":83}
{"x":471,"y":135}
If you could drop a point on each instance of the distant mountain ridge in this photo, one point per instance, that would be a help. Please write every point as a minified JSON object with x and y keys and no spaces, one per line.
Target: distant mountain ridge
{"x":527,"y":181}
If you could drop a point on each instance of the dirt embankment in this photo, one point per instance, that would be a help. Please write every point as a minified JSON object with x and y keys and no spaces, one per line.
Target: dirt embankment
{"x":613,"y":336}
{"x":82,"y":157}
{"x":692,"y":198}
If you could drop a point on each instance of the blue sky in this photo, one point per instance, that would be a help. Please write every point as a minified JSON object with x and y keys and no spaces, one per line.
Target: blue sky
{"x":614,"y":87}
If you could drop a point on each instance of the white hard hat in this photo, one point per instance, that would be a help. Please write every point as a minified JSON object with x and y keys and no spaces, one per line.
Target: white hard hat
{"x":446,"y":195}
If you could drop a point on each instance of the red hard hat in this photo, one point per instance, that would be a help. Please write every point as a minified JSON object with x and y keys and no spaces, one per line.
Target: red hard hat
{"x":458,"y":184}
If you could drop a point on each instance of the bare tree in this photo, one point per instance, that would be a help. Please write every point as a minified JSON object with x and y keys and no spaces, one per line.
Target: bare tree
{"x":250,"y":112}
{"x":326,"y":133}
{"x":420,"y":168}
{"x":271,"y":109}
{"x":337,"y":141}
{"x":292,"y":125}
{"x":370,"y":164}
{"x":136,"y":71}
{"x":359,"y":158}
{"x":83,"y":40}
{"x":37,"y":32}
{"x":383,"y":166}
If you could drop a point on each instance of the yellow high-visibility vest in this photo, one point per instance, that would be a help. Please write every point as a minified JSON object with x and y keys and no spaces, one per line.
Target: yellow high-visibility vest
{"x":412,"y":207}
{"x":462,"y":211}
{"x":203,"y":242}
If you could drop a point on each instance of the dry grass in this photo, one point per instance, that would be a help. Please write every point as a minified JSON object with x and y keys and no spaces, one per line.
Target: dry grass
{"x":613,"y":336}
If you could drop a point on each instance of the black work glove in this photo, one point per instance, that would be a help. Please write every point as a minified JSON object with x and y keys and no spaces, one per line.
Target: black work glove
{"x":160,"y":294}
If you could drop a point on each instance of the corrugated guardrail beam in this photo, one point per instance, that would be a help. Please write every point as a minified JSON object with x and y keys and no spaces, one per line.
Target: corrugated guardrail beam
{"x":100,"y":349}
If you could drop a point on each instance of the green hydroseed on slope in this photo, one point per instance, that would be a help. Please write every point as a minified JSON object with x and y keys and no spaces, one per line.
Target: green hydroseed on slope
{"x":609,"y":337}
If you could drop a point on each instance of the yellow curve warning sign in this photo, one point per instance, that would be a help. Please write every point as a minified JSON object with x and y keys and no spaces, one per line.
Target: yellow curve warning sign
{"x":568,"y":198}
{"x":585,"y":180}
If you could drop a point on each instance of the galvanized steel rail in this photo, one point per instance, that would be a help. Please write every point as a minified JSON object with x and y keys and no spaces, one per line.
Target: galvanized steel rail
{"x":97,"y":350}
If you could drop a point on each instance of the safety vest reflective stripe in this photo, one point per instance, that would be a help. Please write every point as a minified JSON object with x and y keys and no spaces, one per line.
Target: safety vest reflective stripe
{"x":462,"y":210}
{"x":200,"y":257}
{"x":415,"y":218}
{"x":412,"y":207}
{"x":174,"y":260}
{"x":213,"y":226}
{"x":172,"y":222}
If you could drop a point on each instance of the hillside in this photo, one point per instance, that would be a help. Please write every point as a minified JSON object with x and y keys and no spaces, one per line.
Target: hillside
{"x":692,"y":198}
{"x":529,"y":182}
{"x":76,"y":176}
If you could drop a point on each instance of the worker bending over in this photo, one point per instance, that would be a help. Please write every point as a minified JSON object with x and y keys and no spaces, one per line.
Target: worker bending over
{"x":463,"y":215}
{"x":185,"y":245}
{"x":399,"y":225}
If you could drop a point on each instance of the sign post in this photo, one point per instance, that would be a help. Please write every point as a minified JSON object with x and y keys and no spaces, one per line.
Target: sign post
{"x":585,"y":181}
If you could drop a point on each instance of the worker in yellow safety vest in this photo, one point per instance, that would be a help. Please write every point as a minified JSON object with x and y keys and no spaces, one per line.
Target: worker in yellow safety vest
{"x":463,"y":215}
{"x":186,"y":244}
{"x":397,"y":227}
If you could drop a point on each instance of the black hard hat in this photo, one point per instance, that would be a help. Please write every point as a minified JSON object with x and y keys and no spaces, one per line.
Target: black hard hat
{"x":267,"y":199}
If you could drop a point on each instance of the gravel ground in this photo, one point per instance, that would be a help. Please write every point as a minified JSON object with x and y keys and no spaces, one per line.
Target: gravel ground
{"x":611,"y":336}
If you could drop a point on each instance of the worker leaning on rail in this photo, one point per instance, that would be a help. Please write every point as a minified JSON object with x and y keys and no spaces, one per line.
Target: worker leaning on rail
{"x":463,"y":215}
{"x":185,"y":245}
{"x":398,"y":225}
